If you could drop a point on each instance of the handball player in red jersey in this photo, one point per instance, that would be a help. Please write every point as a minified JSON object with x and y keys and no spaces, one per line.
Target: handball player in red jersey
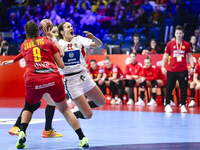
{"x":48,"y":131}
{"x":42,"y":76}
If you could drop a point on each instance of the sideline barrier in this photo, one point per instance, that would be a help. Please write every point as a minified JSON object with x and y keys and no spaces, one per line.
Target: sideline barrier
{"x":11,"y":77}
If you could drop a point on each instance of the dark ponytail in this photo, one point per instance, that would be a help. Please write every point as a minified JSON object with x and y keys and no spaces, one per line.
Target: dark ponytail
{"x":31,"y":29}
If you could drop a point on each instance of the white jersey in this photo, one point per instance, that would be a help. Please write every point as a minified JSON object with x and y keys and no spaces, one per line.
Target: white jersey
{"x":74,"y":54}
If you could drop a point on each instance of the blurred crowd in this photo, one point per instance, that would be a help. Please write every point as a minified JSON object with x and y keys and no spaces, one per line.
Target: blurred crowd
{"x":101,"y":17}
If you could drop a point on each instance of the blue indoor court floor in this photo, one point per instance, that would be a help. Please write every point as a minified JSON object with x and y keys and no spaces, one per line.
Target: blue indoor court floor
{"x":117,"y":127}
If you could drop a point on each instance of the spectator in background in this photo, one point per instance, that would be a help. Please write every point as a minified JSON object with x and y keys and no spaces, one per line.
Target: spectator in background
{"x":193,"y":43}
{"x":47,"y":5}
{"x":39,"y":13}
{"x":55,"y":18}
{"x":83,"y":5}
{"x":130,"y":20}
{"x":156,"y":17}
{"x":156,"y":20}
{"x":29,"y":14}
{"x":121,"y":16}
{"x":63,"y":10}
{"x":197,"y":34}
{"x":71,"y":11}
{"x":137,"y":47}
{"x":8,"y":49}
{"x":153,"y":48}
{"x":115,"y":27}
{"x":88,"y":22}
{"x":56,"y":5}
{"x":142,"y":20}
{"x":76,"y":18}
{"x":118,"y":8}
{"x":137,"y":3}
{"x":47,"y":15}
{"x":176,"y":10}
{"x":14,"y":24}
{"x":148,"y":8}
{"x":96,"y":6}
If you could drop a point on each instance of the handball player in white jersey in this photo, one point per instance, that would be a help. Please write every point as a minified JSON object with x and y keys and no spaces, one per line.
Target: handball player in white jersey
{"x":77,"y":80}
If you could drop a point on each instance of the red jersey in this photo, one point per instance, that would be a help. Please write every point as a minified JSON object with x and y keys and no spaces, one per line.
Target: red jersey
{"x":39,"y":63}
{"x":133,"y":69}
{"x":152,"y":73}
{"x":95,"y":73}
{"x":197,"y":69}
{"x":177,"y":55}
{"x":113,"y":69}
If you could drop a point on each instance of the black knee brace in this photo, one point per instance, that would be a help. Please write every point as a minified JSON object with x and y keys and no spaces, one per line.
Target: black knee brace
{"x":120,"y":84}
{"x":37,"y":105}
{"x":30,"y":107}
{"x":131,"y":83}
{"x":143,"y":84}
{"x":154,"y":83}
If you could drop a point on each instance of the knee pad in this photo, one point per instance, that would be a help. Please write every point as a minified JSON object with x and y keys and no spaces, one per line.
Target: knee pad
{"x":143,"y":84}
{"x":154,"y":83}
{"x":37,"y":105}
{"x":131,"y":83}
{"x":120,"y":84}
{"x":30,"y":107}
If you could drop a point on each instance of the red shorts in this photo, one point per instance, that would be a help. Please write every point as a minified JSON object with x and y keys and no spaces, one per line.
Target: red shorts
{"x":54,"y":86}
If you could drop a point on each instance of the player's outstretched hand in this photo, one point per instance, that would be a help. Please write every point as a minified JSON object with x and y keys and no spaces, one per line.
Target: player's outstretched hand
{"x":89,"y":35}
{"x":7,"y":62}
{"x":47,"y":32}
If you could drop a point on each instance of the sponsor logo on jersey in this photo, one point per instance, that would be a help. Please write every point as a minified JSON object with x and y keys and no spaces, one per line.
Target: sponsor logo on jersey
{"x":39,"y":64}
{"x":44,"y":85}
{"x":44,"y":70}
{"x":183,"y":47}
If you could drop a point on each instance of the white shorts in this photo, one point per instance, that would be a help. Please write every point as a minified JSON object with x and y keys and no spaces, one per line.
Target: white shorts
{"x":78,"y":84}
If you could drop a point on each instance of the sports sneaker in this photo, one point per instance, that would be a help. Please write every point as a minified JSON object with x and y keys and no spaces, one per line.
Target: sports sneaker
{"x":118,"y":102}
{"x":183,"y":109}
{"x":168,"y":109}
{"x":152,"y":102}
{"x":14,"y":131}
{"x":192,"y":103}
{"x":75,"y":109}
{"x":84,"y":142}
{"x":140,"y":102}
{"x":130,"y":102}
{"x":172,"y":103}
{"x":112,"y":102}
{"x":50,"y":133}
{"x":21,"y":140}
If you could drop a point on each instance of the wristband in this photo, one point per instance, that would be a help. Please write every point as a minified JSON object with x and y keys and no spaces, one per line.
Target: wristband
{"x":106,"y":79}
{"x":192,"y":67}
{"x":53,"y":39}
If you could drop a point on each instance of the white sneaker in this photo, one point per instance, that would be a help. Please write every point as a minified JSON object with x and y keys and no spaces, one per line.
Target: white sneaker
{"x":192,"y":103}
{"x":130,"y":102}
{"x":172,"y":103}
{"x":152,"y":102}
{"x":75,"y":109}
{"x":183,"y":109}
{"x":140,"y":102}
{"x":112,"y":102}
{"x":118,"y":102}
{"x":168,"y":109}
